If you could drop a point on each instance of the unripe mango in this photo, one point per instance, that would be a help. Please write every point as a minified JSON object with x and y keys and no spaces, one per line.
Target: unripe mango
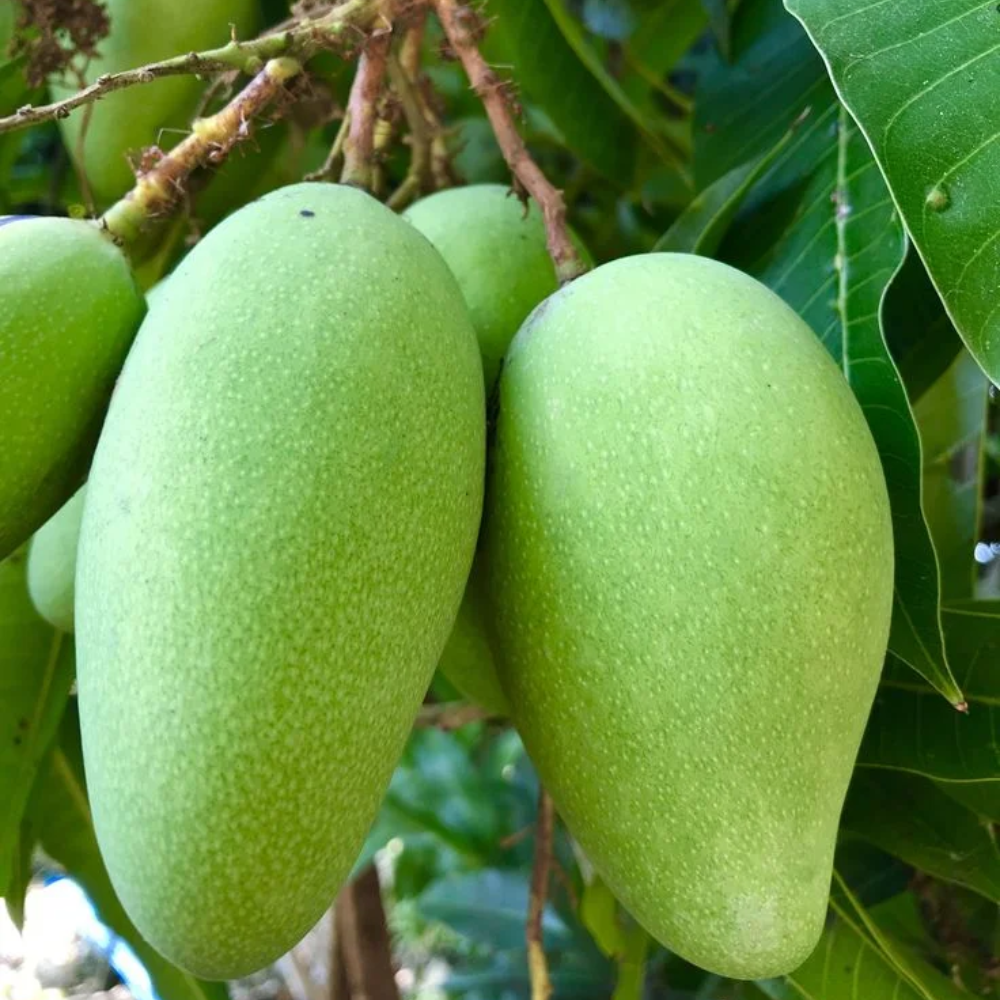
{"x":52,"y":564}
{"x":69,"y":309}
{"x":280,"y":520}
{"x":157,"y":113}
{"x":496,"y":250}
{"x":689,"y":557}
{"x":467,"y":660}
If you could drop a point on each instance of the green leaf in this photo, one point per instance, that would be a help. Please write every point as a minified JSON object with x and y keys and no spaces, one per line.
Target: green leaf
{"x":910,"y":817}
{"x":703,"y":224}
{"x":920,"y":336}
{"x":17,"y":887}
{"x":59,"y":816}
{"x":36,"y":673}
{"x":911,"y":729}
{"x":599,"y":914}
{"x":666,"y":30}
{"x":856,"y":961}
{"x":907,"y":71}
{"x":575,"y":38}
{"x":744,"y":107}
{"x":833,"y":266}
{"x":832,"y":260}
{"x":980,"y":797}
{"x":632,"y":964}
{"x":952,"y":416}
{"x":526,"y":36}
{"x":489,"y":906}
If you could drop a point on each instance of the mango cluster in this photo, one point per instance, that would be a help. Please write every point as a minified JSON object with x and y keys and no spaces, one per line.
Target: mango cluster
{"x":668,"y":558}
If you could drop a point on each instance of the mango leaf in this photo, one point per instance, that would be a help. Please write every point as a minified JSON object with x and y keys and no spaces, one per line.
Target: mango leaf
{"x":36,"y":673}
{"x":872,"y":875}
{"x":553,"y":77}
{"x":832,"y":261}
{"x":702,"y":225}
{"x":979,"y":797}
{"x":599,"y":914}
{"x":490,"y":907}
{"x":904,"y":70}
{"x":745,"y":107}
{"x":833,"y":266}
{"x":917,"y":329}
{"x":665,"y":31}
{"x":952,"y":419}
{"x":910,"y":817}
{"x":911,"y":729}
{"x":58,"y":816}
{"x":20,"y":877}
{"x":641,"y":122}
{"x":857,"y":961}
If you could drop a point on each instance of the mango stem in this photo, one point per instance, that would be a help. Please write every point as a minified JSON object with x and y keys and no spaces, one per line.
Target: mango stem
{"x":462,"y":27}
{"x":159,"y":189}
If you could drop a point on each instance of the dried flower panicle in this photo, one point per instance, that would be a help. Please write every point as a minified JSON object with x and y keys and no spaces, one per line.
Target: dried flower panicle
{"x":58,"y":35}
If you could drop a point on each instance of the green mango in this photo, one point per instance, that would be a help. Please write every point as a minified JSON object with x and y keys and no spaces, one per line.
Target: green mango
{"x":69,"y":308}
{"x":280,"y":520}
{"x":467,"y":659}
{"x":689,"y":555}
{"x":496,"y":250}
{"x":52,"y":564}
{"x":154,"y":114}
{"x":8,"y":15}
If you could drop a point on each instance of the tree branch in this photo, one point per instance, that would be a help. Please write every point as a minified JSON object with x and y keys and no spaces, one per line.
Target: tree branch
{"x":460,"y":24}
{"x":362,"y":111}
{"x":541,"y":985}
{"x":449,"y":715}
{"x":418,"y":177}
{"x":301,"y":41}
{"x":159,"y":189}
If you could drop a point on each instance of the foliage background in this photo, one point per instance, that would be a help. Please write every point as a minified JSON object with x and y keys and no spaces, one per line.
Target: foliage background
{"x":851,"y":167}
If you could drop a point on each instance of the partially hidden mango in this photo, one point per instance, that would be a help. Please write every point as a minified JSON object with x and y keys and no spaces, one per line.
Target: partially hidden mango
{"x":69,"y":308}
{"x":122,"y":124}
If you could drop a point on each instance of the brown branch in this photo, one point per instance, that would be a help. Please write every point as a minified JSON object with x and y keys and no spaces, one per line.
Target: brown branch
{"x":327,"y":172}
{"x":362,"y":109}
{"x":159,"y":189}
{"x":301,"y":41}
{"x":541,"y":985}
{"x":449,"y":715}
{"x":363,"y":939}
{"x":460,"y":25}
{"x":419,"y":177}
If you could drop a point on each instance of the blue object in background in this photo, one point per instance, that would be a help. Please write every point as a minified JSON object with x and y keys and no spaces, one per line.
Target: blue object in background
{"x":116,"y":950}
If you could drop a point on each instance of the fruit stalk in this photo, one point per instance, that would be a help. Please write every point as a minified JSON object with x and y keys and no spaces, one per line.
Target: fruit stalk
{"x":362,"y":112}
{"x":160,"y":188}
{"x":449,"y":716}
{"x":460,"y":25}
{"x":300,"y":41}
{"x":538,"y":969}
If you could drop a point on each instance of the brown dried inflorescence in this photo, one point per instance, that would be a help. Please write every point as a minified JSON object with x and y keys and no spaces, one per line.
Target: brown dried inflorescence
{"x":58,"y":35}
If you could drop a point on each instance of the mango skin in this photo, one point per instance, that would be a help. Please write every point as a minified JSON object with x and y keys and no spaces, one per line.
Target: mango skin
{"x":69,"y":308}
{"x":52,"y":564}
{"x":467,"y":660}
{"x":280,"y":519}
{"x":157,"y":113}
{"x":497,"y":254}
{"x":690,"y":558}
